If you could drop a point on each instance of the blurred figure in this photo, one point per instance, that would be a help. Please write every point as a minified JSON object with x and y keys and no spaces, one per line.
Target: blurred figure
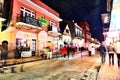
{"x":63,"y":51}
{"x":4,"y":54}
{"x":111,"y":52}
{"x":117,"y":49}
{"x":102,"y":50}
{"x":93,"y":50}
{"x":68,"y":50}
{"x":89,"y":50}
{"x":81,"y":49}
{"x":0,"y":53}
{"x":4,"y":51}
{"x":72,"y":50}
{"x":49,"y":53}
{"x":18,"y":52}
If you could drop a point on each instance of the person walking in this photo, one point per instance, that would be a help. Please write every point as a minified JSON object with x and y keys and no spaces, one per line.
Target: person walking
{"x":49,"y":53}
{"x":89,"y":49}
{"x":102,"y":50}
{"x":68,"y":50}
{"x":63,"y":51}
{"x":117,"y":49}
{"x":82,"y":49}
{"x":111,"y":51}
{"x":93,"y":50}
{"x":4,"y":54}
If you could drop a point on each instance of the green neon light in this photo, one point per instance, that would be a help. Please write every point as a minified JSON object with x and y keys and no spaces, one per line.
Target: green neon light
{"x":43,"y":22}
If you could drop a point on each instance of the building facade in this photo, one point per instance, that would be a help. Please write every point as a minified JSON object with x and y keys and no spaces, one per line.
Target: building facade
{"x":28,"y":26}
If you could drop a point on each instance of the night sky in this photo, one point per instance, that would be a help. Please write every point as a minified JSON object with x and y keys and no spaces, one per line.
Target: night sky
{"x":81,"y":10}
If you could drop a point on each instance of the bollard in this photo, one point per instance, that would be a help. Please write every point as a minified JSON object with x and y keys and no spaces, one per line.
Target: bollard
{"x":21,"y":69}
{"x":13,"y":70}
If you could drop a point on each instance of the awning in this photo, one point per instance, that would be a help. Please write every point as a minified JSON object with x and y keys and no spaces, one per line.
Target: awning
{"x":27,"y":27}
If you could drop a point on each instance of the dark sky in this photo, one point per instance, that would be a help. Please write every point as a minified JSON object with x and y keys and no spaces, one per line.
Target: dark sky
{"x":81,"y":10}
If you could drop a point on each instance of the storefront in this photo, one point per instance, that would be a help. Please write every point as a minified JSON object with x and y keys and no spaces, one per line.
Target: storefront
{"x":27,"y":41}
{"x":28,"y":19}
{"x":53,"y":41}
{"x":42,"y":36}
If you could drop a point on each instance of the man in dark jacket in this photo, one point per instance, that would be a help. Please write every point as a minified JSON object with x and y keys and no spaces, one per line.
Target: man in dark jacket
{"x":4,"y":54}
{"x":102,"y":50}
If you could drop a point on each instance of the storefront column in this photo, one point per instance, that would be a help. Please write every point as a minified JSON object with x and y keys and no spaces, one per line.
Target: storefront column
{"x":37,"y":45}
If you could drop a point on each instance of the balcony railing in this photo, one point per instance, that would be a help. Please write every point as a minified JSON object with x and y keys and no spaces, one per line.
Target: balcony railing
{"x":28,"y":20}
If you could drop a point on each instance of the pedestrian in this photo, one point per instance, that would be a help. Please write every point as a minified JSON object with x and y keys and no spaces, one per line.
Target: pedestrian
{"x":49,"y":53}
{"x":4,"y":54}
{"x":72,"y":50}
{"x":63,"y":51}
{"x":82,"y":49}
{"x":18,"y":52}
{"x":93,"y":50}
{"x":89,"y":50}
{"x":117,"y":49}
{"x":102,"y":50}
{"x":0,"y":53}
{"x":68,"y":50}
{"x":111,"y":51}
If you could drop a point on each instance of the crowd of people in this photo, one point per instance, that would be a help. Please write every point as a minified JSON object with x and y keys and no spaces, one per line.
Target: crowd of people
{"x":111,"y":50}
{"x":68,"y":50}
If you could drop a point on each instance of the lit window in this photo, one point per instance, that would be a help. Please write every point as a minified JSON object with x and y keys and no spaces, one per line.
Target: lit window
{"x":27,"y":12}
{"x":52,"y":23}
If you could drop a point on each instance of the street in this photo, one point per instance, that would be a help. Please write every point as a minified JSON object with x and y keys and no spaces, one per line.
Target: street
{"x":56,"y":69}
{"x":73,"y":68}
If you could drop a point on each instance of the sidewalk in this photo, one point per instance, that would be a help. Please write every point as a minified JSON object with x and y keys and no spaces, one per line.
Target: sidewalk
{"x":109,"y":72}
{"x":12,"y":61}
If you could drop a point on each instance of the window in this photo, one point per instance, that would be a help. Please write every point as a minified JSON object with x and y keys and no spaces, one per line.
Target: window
{"x":52,"y":23}
{"x":43,"y":17}
{"x":26,"y":12}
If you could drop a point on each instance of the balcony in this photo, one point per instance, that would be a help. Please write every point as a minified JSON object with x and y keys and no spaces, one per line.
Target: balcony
{"x":28,"y":20}
{"x":27,"y":23}
{"x":53,"y":31}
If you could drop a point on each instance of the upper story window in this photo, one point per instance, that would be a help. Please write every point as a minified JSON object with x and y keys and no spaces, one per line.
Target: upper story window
{"x":43,"y":17}
{"x":27,"y":12}
{"x":52,"y":23}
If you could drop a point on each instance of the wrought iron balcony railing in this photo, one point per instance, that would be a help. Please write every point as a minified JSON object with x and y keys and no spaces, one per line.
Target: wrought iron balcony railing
{"x":28,"y":20}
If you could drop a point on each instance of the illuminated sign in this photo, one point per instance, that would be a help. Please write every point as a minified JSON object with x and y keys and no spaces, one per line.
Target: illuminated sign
{"x":43,"y":22}
{"x":105,"y":18}
{"x":115,"y":16}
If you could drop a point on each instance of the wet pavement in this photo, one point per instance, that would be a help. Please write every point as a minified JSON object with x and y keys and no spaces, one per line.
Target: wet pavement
{"x":73,"y":68}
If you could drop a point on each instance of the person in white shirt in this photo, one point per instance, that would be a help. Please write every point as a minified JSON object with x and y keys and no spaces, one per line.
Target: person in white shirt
{"x":89,"y":50}
{"x":93,"y":50}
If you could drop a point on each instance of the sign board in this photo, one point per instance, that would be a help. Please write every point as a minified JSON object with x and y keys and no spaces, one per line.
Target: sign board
{"x":43,"y":22}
